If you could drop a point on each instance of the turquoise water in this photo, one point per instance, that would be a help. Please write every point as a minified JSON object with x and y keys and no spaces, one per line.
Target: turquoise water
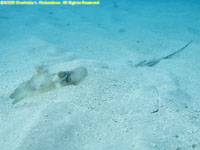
{"x":140,"y":90}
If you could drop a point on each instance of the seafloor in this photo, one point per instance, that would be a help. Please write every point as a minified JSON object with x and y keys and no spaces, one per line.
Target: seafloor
{"x":118,"y":106}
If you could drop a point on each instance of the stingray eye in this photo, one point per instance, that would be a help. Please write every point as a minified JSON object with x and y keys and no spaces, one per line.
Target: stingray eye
{"x":61,"y":74}
{"x":68,"y":78}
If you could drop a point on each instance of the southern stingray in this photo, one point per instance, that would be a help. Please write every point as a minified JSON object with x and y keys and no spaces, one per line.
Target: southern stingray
{"x":43,"y":81}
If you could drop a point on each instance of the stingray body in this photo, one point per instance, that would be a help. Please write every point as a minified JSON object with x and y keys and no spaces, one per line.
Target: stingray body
{"x":42,"y":81}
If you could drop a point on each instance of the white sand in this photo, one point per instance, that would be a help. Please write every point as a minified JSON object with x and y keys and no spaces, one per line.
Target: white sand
{"x":118,"y":106}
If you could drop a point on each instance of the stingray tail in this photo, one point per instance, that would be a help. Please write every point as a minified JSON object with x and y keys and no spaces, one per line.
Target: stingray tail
{"x":178,"y":51}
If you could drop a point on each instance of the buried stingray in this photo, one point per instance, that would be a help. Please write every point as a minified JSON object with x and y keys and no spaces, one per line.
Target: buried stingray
{"x":153,"y":62}
{"x":42,"y":81}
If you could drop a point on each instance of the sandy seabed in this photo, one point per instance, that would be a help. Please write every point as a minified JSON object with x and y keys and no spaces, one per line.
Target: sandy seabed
{"x":118,"y":106}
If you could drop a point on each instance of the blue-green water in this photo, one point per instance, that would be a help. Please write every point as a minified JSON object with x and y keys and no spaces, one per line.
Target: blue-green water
{"x":142,"y":87}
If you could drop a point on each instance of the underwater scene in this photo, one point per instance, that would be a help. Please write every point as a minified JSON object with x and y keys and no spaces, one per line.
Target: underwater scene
{"x":100,"y":75}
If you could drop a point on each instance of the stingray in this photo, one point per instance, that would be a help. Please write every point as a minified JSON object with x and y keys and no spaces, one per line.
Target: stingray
{"x":153,"y":62}
{"x":42,"y":81}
